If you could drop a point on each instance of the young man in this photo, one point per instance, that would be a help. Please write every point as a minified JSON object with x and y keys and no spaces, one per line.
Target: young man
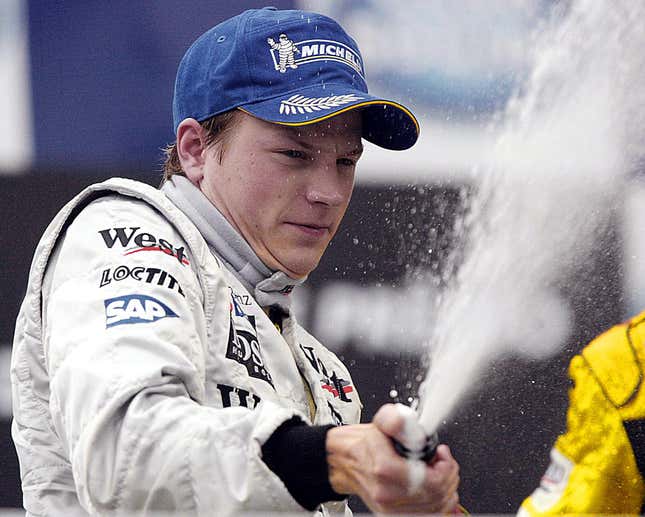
{"x":598,"y":465}
{"x":157,"y":364}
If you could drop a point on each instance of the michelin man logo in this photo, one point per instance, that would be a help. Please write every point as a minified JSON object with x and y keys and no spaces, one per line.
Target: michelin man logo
{"x":286,"y":50}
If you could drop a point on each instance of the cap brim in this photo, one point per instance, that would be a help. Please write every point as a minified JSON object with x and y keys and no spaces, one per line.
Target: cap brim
{"x":386,"y":123}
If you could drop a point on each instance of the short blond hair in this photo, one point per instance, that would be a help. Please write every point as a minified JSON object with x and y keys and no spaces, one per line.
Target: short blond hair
{"x":217,"y":128}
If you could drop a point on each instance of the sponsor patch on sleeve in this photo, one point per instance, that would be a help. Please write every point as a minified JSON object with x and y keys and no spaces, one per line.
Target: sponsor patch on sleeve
{"x":149,"y":275}
{"x":135,"y":308}
{"x":133,"y":240}
{"x":553,"y":482}
{"x":243,"y":343}
{"x":332,"y":383}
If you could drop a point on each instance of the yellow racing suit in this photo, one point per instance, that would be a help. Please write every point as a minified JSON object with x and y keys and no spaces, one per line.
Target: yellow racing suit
{"x":598,"y":465}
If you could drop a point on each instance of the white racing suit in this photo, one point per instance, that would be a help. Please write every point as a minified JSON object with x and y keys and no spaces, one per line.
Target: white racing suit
{"x":146,"y":377}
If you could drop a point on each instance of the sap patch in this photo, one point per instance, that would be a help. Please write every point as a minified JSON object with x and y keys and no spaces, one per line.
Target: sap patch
{"x":135,"y":308}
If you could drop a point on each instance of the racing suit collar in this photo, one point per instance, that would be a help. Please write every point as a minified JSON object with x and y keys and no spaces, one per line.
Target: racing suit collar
{"x":269,"y":287}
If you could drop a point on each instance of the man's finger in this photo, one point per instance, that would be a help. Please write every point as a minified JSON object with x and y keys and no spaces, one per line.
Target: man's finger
{"x":389,"y":420}
{"x":401,"y":423}
{"x":444,"y":453}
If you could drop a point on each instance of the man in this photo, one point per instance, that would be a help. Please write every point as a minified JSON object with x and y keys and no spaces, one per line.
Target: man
{"x":157,"y":364}
{"x":598,"y":465}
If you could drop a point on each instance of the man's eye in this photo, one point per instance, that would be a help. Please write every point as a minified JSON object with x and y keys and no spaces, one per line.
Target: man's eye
{"x":346,"y":162}
{"x":293,"y":153}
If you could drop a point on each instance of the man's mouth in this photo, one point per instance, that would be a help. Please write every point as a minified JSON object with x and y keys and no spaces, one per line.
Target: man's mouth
{"x":315,"y":230}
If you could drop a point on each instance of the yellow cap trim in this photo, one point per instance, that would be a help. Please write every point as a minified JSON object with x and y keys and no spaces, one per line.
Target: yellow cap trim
{"x":348,"y":108}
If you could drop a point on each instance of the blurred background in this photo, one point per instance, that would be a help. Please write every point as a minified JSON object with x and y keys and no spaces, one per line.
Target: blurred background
{"x":86,"y":94}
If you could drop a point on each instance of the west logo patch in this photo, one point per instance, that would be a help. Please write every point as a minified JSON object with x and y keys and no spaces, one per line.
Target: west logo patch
{"x":337,"y":386}
{"x":135,"y":308}
{"x":135,"y":241}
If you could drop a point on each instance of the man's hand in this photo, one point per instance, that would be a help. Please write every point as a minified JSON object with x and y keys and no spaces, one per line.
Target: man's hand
{"x":362,"y":461}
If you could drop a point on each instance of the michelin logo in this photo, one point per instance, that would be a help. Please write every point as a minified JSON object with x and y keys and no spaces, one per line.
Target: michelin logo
{"x":135,"y":308}
{"x":283,"y":53}
{"x":286,"y":50}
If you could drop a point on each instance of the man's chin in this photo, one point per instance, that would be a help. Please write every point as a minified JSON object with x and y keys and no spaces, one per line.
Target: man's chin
{"x":299,"y":268}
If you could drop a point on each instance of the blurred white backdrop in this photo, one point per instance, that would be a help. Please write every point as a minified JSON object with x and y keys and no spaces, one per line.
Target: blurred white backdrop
{"x":16,"y":147}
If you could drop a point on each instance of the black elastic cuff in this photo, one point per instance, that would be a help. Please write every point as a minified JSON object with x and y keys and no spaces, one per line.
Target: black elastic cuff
{"x":296,"y":453}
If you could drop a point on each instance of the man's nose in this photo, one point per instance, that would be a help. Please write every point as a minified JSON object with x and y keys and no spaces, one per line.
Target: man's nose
{"x":326,"y":187}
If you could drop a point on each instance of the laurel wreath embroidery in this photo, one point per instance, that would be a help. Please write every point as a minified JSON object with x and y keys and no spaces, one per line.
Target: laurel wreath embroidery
{"x":301,"y":104}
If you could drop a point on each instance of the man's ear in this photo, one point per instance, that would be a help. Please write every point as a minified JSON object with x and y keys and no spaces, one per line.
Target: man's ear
{"x":191,"y":144}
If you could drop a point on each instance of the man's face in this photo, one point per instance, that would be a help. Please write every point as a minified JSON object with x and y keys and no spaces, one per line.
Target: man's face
{"x":285,"y":189}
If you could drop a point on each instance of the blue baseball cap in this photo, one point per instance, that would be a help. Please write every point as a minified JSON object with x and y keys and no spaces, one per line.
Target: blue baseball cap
{"x":287,"y":67}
